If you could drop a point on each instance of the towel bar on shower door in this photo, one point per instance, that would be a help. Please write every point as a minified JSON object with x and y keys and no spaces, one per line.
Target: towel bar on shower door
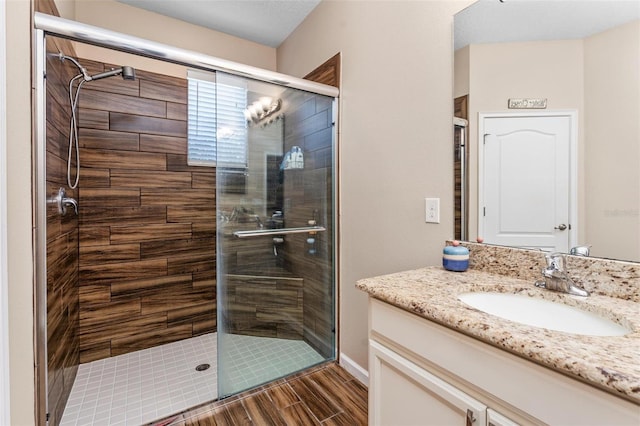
{"x":281,"y":231}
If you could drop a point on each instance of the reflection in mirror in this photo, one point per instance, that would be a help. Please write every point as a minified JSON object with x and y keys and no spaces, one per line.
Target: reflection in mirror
{"x":583,"y":59}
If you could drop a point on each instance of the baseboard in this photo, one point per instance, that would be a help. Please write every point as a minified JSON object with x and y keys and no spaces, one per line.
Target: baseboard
{"x":354,"y":369}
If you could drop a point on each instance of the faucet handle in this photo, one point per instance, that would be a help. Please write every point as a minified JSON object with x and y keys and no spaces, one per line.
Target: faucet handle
{"x":556,"y":260}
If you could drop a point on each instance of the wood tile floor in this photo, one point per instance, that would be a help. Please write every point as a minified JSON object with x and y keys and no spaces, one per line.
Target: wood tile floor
{"x":324,"y":395}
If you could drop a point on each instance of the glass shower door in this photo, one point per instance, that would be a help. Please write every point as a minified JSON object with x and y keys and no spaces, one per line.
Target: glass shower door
{"x":275,"y":247}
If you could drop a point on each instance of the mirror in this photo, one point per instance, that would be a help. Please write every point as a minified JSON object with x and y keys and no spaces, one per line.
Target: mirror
{"x":578,"y":56}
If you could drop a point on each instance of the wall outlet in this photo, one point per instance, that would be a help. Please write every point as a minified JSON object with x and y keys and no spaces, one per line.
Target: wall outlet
{"x":432,"y":208}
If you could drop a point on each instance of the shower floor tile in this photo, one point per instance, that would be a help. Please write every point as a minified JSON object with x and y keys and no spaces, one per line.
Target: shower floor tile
{"x":146,"y":385}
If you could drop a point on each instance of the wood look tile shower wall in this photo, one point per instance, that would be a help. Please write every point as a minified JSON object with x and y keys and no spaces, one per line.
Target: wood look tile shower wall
{"x":147,"y":220}
{"x":62,"y":239}
{"x":308,"y":194}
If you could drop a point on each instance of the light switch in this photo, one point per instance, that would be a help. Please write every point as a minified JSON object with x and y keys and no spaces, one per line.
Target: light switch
{"x":432,"y":207}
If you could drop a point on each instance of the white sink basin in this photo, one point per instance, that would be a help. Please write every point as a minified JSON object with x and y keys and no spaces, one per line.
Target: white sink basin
{"x":543,"y":313}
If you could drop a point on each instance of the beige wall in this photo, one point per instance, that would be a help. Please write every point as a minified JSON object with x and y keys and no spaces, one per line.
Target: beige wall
{"x":461,"y":72}
{"x":115,"y":16}
{"x":497,"y":72}
{"x":18,"y":92}
{"x":395,"y":137}
{"x":612,"y":148}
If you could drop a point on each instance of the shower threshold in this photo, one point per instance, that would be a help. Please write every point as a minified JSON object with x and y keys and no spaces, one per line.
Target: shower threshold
{"x":142,"y":386}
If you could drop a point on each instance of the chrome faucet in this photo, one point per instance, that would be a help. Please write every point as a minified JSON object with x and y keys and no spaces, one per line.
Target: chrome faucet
{"x":556,"y":277}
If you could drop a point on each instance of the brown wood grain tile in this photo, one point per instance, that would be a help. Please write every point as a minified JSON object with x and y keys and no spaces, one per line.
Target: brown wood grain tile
{"x":93,"y":119}
{"x":176,"y":111}
{"x":204,"y":279}
{"x":109,"y":253}
{"x":204,"y":181}
{"x":192,"y":263}
{"x":148,"y":125}
{"x":113,"y":159}
{"x":162,"y":79}
{"x":94,"y":178}
{"x":122,"y":328}
{"x":321,"y":406}
{"x":203,"y":325}
{"x":204,"y":310}
{"x":91,"y":216}
{"x":177,"y":197}
{"x":200,"y":213}
{"x":163,"y":248}
{"x":298,"y":414}
{"x":106,"y":139}
{"x":97,"y":235}
{"x":128,"y":129}
{"x":95,"y":294}
{"x":343,"y":419}
{"x":102,"y":313}
{"x":150,"y":179}
{"x":97,"y":198}
{"x":262,"y":411}
{"x":276,"y":402}
{"x":150,"y":232}
{"x":163,"y":92}
{"x":94,"y":351}
{"x":136,"y":288}
{"x":176,"y":298}
{"x":122,"y":271}
{"x":113,"y":85}
{"x":163,"y":144}
{"x":121,"y":104}
{"x":282,"y":396}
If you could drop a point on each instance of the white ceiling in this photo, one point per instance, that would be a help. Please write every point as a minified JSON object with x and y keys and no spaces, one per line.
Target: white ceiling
{"x":267,"y":22}
{"x":492,"y":21}
{"x":270,"y":22}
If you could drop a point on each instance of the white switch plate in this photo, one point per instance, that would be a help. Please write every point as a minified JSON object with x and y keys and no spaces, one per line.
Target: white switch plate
{"x":432,"y":208}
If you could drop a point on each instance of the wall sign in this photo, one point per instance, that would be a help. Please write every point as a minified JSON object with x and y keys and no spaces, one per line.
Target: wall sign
{"x":527,"y":103}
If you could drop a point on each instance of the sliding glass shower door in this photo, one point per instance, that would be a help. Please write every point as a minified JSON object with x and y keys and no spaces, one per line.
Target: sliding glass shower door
{"x":275,"y":247}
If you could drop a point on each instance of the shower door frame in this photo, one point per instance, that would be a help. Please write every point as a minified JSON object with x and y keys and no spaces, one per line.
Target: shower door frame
{"x":47,"y":25}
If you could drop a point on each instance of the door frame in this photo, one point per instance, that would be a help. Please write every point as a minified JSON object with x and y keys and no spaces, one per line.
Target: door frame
{"x":572,"y":115}
{"x":5,"y":414}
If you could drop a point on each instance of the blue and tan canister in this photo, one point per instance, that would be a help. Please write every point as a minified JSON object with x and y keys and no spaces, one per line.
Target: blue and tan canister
{"x":455,"y":257}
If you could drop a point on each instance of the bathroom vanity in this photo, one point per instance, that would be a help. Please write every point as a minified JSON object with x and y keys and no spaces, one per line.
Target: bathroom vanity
{"x":435,"y":360}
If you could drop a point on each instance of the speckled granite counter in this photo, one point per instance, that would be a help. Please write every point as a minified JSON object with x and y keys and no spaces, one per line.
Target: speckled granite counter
{"x":611,"y":363}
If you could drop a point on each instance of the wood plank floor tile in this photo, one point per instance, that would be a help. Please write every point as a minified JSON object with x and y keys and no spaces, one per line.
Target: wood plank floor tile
{"x":321,"y":406}
{"x":298,"y":414}
{"x":262,"y":411}
{"x":283,"y":396}
{"x":277,"y":403}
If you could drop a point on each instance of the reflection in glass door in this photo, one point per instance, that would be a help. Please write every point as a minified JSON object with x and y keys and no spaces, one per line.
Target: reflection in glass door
{"x":275,"y":248}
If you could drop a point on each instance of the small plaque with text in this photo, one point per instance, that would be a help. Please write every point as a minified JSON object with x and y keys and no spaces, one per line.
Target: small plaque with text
{"x":527,"y":103}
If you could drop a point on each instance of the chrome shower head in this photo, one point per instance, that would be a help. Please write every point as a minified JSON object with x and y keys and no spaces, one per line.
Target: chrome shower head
{"x":128,"y":73}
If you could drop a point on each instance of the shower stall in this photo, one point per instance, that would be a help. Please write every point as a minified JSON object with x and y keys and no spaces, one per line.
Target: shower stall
{"x":198,"y":241}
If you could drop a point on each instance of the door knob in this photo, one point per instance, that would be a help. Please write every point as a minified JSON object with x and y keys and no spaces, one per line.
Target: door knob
{"x":561,"y":227}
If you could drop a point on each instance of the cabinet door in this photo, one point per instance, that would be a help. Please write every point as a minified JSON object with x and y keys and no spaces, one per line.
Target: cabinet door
{"x":404,"y":394}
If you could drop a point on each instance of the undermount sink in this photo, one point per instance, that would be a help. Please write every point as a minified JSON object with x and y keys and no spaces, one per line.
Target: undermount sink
{"x":543,"y":313}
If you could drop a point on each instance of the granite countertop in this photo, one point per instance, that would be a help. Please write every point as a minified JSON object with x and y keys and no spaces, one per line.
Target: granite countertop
{"x":611,"y":363}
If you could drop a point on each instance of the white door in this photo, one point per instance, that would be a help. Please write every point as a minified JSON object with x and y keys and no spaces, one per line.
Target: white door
{"x":526,"y":184}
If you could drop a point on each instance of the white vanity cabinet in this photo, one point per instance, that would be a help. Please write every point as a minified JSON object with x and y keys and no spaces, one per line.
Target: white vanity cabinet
{"x":403,"y":393}
{"x":421,"y":373}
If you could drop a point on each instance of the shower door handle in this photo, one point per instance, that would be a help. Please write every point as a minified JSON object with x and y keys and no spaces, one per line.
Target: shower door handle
{"x":281,"y":231}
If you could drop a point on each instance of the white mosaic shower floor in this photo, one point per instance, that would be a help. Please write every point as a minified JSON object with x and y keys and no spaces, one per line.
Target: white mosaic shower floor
{"x":146,"y":385}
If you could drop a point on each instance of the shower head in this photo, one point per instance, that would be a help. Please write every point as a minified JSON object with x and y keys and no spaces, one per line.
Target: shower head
{"x":128,"y":73}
